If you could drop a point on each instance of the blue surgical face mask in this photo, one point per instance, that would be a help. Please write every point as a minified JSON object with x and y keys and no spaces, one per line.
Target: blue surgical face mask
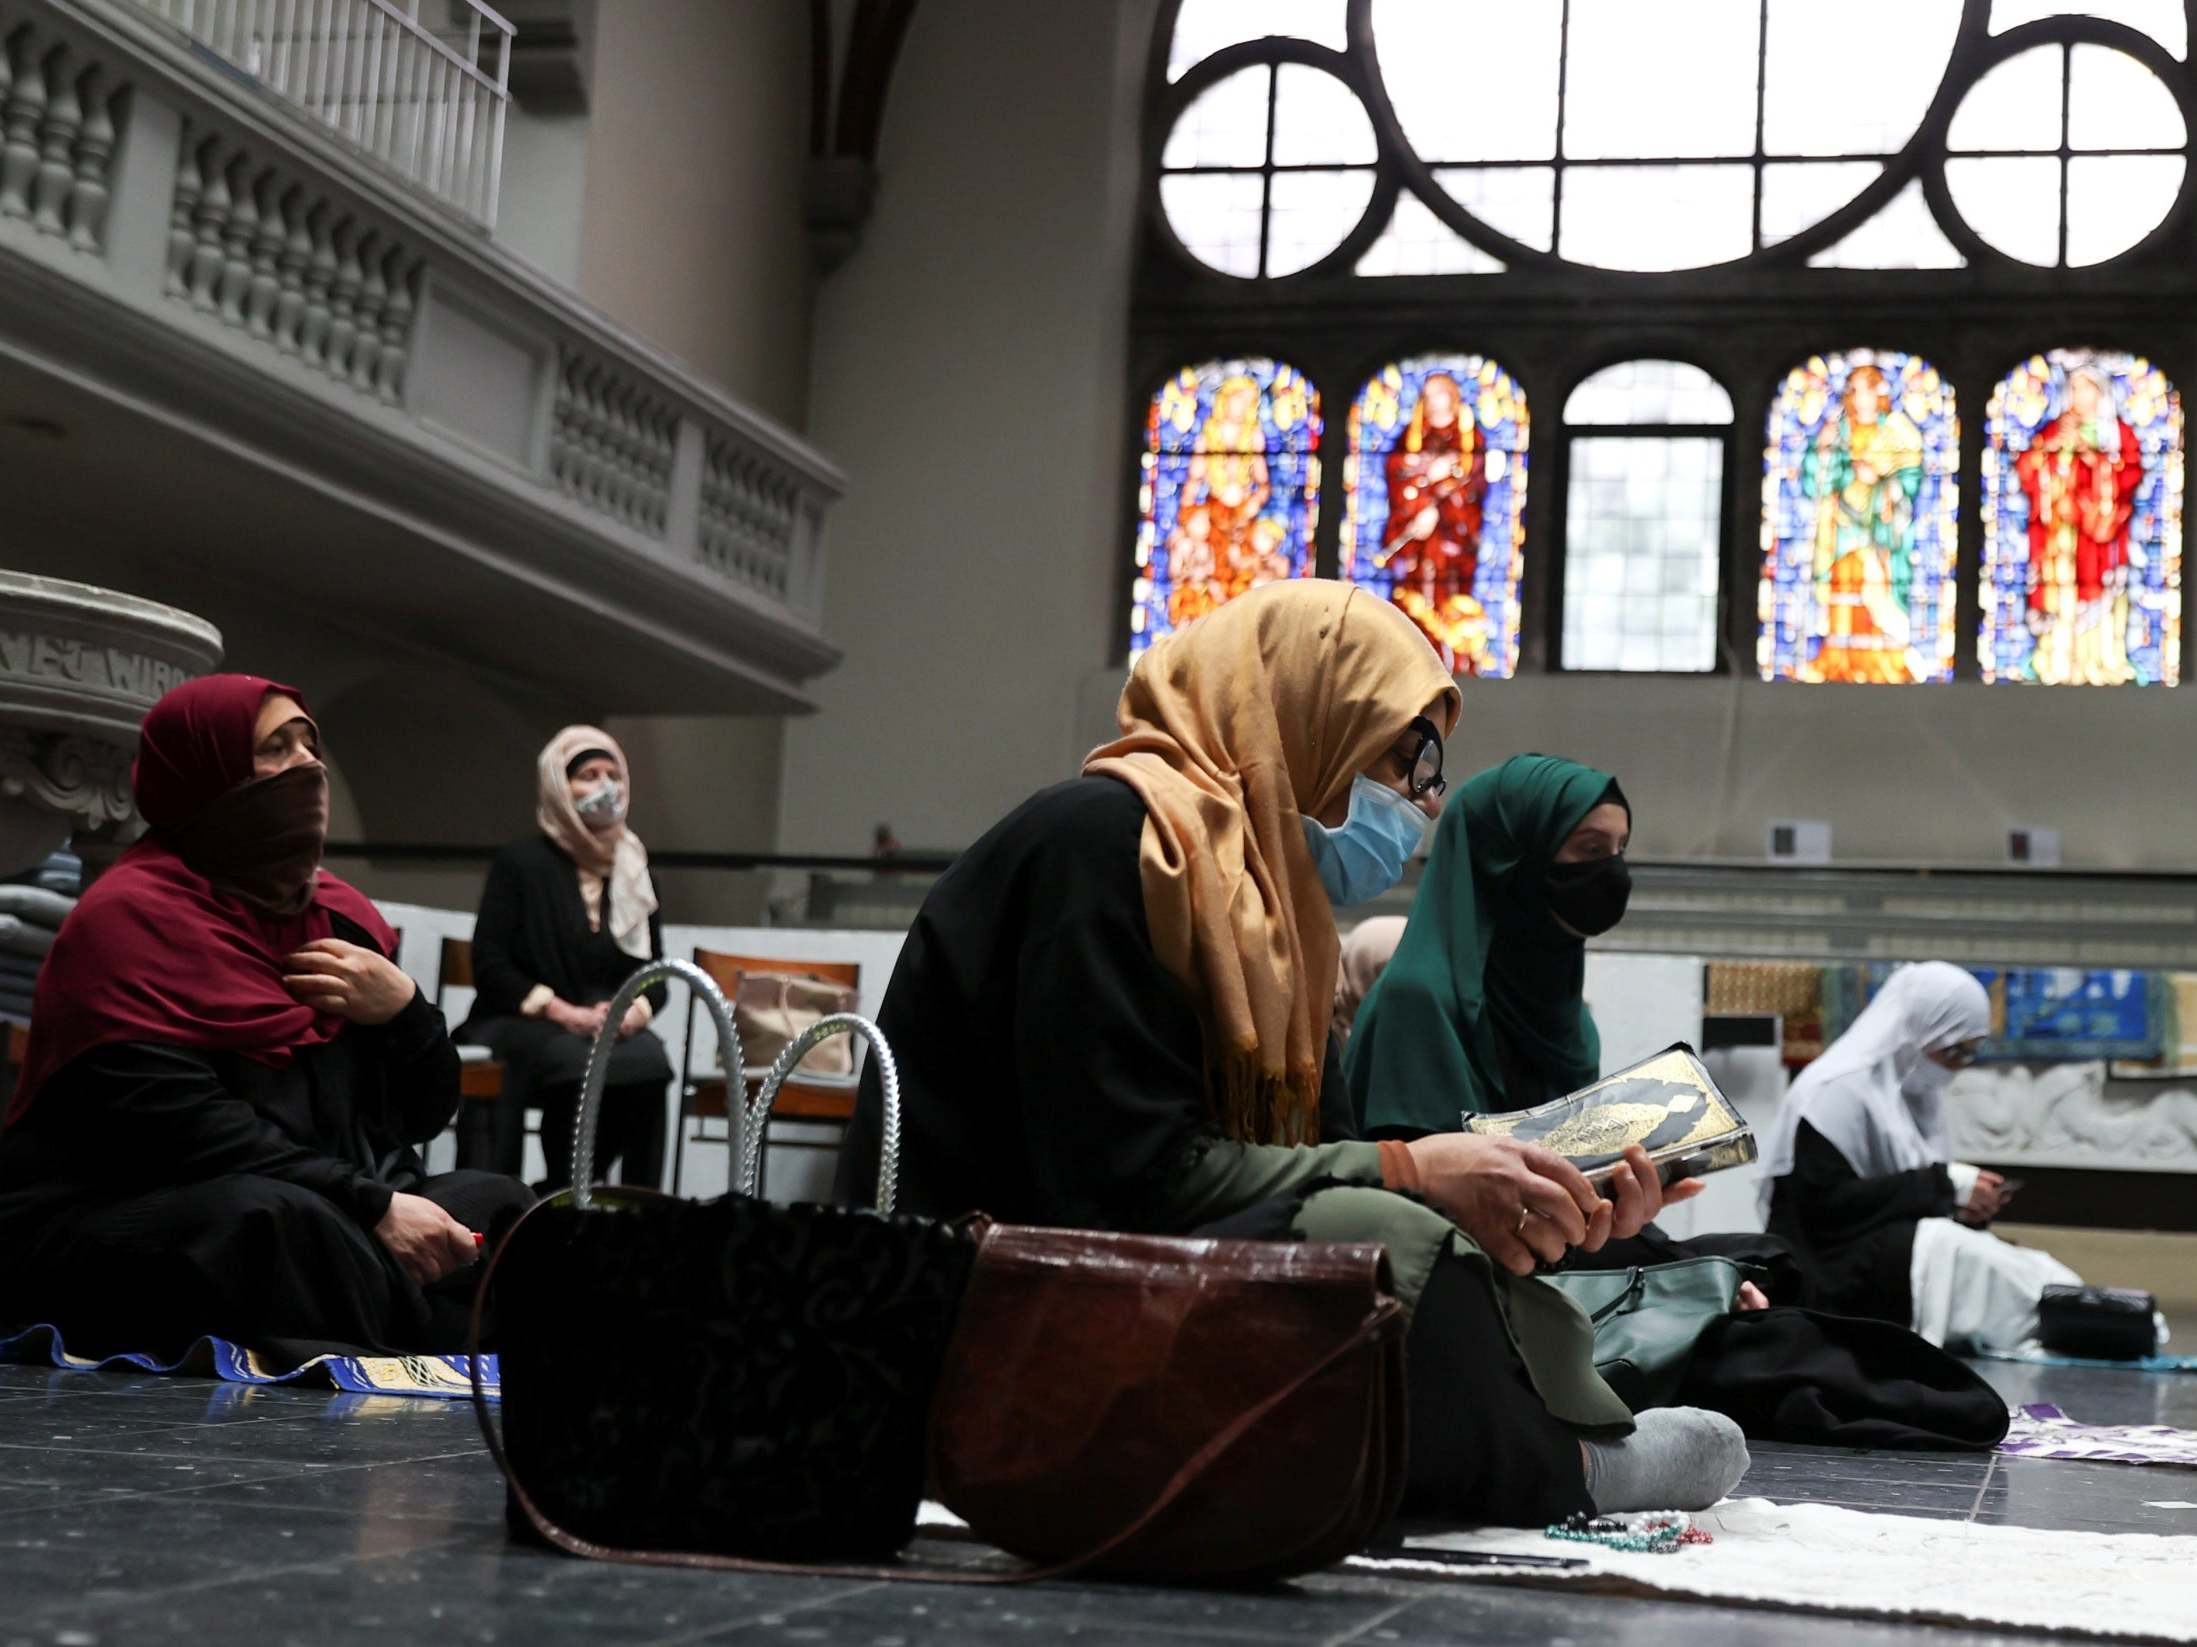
{"x":1365,"y":856}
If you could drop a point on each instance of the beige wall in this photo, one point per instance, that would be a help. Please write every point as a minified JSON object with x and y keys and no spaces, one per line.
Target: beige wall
{"x":692,"y":233}
{"x":969,"y":372}
{"x":675,"y":205}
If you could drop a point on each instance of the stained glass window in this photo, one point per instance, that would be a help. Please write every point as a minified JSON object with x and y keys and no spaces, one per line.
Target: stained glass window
{"x":1230,"y":492}
{"x":1435,"y":503}
{"x":2082,"y":523}
{"x":1643,"y":517}
{"x":1860,"y":497}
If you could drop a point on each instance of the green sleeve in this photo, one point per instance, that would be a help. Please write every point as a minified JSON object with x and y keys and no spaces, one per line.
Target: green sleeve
{"x":1223,"y":1178}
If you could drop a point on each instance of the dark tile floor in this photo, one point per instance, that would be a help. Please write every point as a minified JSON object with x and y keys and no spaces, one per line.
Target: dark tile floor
{"x":153,"y":1510}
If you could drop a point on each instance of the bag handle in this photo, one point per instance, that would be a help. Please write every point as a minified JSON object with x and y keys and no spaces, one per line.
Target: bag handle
{"x":755,"y":1112}
{"x":789,"y":1057}
{"x":1385,"y":1317}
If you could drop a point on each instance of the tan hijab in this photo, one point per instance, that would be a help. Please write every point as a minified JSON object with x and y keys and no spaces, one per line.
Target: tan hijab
{"x":614,"y":856}
{"x":1233,"y":730}
{"x":1366,"y":954}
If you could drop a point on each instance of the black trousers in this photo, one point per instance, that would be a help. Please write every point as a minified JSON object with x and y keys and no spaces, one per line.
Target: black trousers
{"x":543,"y":1068}
{"x":1484,"y":1448}
{"x":629,"y":1133}
{"x":255,"y":1260}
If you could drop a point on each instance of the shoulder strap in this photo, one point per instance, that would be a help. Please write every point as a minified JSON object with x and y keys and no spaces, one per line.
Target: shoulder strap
{"x":1385,"y":1317}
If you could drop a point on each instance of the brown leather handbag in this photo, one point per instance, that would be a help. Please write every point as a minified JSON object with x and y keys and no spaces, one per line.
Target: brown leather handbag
{"x":1237,"y":1406}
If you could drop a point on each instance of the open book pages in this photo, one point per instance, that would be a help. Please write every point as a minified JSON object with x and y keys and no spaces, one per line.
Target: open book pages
{"x":1667,"y":1104}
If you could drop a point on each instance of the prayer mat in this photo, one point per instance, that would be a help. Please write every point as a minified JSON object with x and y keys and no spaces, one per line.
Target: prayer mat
{"x":443,"y":1377}
{"x":2045,"y":1358}
{"x":2041,"y":1430}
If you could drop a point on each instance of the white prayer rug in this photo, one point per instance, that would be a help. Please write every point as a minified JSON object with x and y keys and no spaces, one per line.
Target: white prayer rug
{"x":1822,"y":1559}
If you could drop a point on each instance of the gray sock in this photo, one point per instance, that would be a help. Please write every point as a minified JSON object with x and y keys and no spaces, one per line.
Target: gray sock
{"x":1677,"y":1458}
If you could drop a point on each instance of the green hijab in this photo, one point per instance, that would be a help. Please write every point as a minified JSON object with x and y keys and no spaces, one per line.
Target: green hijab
{"x":1484,"y":993}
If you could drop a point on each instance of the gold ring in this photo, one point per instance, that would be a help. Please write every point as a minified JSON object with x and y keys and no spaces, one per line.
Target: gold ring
{"x":1524,"y":1213}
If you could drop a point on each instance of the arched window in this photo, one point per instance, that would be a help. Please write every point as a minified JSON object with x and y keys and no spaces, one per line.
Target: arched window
{"x":1643,"y":517}
{"x":2082,"y":523}
{"x":1859,"y":508}
{"x":1435,"y":503}
{"x":1230,"y":493}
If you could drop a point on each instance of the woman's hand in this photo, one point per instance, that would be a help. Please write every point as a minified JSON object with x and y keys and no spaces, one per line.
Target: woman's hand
{"x":426,"y":1242}
{"x":583,"y":1021}
{"x":1520,"y":1202}
{"x":1984,"y":1201}
{"x":1751,"y":1297}
{"x":1639,"y":1192}
{"x":359,"y":985}
{"x":636,"y":1019}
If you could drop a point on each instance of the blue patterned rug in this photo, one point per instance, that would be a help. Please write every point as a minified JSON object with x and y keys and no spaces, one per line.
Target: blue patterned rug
{"x":444,"y":1377}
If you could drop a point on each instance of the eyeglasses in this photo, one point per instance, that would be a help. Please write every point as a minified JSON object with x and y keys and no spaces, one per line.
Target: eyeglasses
{"x":1426,"y":760}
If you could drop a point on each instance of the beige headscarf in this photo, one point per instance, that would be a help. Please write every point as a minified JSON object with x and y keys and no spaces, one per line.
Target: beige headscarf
{"x":1233,"y":730}
{"x":616,"y":856}
{"x":1366,"y":954}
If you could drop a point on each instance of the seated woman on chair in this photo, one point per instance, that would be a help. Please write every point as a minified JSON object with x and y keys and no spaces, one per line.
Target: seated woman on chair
{"x":1112,"y":1012}
{"x":216,"y":1127}
{"x":1855,"y":1176}
{"x":567,"y":916}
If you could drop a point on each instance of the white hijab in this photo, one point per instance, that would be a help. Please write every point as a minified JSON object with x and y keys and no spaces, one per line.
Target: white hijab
{"x":1873,"y":1095}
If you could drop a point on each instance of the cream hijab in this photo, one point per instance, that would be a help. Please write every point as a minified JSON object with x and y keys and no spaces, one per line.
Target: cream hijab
{"x":1233,"y":730}
{"x":615,"y":856}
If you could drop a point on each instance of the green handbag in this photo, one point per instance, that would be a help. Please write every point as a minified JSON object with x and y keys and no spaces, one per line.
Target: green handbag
{"x":1647,"y":1320}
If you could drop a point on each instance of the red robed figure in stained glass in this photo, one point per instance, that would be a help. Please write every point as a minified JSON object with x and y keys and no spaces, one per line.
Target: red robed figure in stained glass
{"x":1437,"y":484}
{"x":2081,"y":474}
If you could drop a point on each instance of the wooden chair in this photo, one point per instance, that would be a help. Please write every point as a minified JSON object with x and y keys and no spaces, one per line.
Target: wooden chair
{"x":704,"y":1098}
{"x":480,"y":1079}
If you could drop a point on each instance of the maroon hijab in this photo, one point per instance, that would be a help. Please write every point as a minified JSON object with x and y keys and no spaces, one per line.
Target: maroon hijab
{"x":182,"y":942}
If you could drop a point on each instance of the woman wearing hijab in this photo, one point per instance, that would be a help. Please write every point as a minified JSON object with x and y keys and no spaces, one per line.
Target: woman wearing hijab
{"x":567,"y":916}
{"x":1482,"y":1008}
{"x":1112,"y":1012}
{"x":215,"y":1127}
{"x":1856,"y":1179}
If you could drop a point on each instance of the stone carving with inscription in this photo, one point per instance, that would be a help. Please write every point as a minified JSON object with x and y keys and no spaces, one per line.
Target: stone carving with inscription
{"x":78,"y":669}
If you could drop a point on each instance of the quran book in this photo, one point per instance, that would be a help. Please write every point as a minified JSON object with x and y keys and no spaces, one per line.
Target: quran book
{"x":1667,"y":1104}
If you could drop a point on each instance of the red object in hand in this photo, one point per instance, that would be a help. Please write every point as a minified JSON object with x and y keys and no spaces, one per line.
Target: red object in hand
{"x":479,"y":1240}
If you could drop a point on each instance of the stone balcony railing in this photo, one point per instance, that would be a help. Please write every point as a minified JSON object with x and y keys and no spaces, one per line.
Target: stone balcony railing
{"x":175,"y":236}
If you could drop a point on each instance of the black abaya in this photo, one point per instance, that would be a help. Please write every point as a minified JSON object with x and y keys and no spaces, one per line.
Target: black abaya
{"x":155,"y":1194}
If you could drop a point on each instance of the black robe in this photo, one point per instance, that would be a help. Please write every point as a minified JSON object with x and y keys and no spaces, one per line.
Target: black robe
{"x":533,"y":929}
{"x":156,"y":1193}
{"x":1855,"y":1236}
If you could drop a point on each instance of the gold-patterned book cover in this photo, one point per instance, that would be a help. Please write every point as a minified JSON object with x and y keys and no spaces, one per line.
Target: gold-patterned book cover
{"x":1667,"y":1104}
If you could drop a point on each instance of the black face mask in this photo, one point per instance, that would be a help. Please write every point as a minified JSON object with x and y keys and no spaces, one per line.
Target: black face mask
{"x":1590,"y":897}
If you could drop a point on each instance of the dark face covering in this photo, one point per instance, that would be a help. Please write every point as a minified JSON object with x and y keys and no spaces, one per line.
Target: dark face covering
{"x":263,"y":840}
{"x":1590,"y":897}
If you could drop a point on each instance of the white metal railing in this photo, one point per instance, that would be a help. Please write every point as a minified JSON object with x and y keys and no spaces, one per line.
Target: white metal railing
{"x":427,"y":101}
